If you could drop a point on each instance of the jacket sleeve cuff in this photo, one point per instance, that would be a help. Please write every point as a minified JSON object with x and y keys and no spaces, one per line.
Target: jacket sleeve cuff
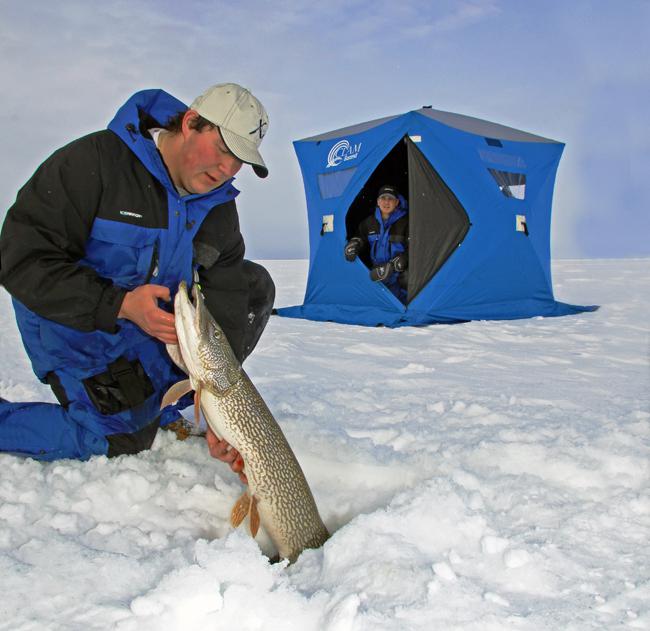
{"x":108,"y":308}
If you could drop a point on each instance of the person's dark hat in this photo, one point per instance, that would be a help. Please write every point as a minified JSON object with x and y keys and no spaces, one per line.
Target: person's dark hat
{"x":388,"y":190}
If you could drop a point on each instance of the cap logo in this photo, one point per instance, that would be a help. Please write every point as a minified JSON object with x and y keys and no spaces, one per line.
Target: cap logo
{"x":341,"y":152}
{"x":260,"y":129}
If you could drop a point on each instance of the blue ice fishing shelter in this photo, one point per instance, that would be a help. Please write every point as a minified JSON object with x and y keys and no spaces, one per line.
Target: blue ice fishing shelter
{"x":479,"y":197}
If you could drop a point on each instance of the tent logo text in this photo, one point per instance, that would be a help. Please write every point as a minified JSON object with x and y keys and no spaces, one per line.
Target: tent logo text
{"x":341,"y":152}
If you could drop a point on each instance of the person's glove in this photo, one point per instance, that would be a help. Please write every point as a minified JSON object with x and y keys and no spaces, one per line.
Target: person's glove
{"x":352,"y":249}
{"x":381,"y":272}
{"x":400,"y":262}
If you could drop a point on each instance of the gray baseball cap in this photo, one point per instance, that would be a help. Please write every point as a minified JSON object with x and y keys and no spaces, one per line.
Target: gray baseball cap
{"x":240,"y":117}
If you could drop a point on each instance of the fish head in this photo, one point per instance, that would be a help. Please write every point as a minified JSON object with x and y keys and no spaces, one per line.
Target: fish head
{"x":203,"y":347}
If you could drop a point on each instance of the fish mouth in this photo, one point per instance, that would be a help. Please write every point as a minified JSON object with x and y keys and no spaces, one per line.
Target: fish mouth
{"x":198,"y":304}
{"x":188,"y":316}
{"x":184,"y":305}
{"x":190,"y":305}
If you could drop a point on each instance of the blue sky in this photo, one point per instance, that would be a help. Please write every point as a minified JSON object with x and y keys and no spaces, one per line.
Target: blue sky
{"x":574,"y":71}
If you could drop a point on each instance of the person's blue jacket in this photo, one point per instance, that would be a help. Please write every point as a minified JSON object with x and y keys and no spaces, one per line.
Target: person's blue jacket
{"x":383,"y":240}
{"x":382,"y":247}
{"x":100,"y":217}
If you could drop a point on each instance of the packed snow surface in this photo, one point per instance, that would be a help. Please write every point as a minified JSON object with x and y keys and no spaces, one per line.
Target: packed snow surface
{"x":485,"y":476}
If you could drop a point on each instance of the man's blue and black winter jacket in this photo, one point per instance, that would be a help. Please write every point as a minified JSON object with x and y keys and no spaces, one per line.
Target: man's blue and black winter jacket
{"x":97,"y":219}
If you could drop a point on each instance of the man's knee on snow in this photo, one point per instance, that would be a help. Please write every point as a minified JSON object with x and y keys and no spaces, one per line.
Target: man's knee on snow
{"x":260,"y":304}
{"x":133,"y":443}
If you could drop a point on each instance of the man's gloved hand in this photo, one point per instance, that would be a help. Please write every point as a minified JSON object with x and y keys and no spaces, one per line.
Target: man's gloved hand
{"x":352,"y":249}
{"x":381,"y":272}
{"x":400,"y":262}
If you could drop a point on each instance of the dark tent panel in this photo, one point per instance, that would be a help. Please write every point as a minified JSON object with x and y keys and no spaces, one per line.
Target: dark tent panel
{"x":437,"y":224}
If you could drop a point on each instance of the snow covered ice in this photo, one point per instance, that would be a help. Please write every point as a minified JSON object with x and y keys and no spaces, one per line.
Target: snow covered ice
{"x":484,"y":476}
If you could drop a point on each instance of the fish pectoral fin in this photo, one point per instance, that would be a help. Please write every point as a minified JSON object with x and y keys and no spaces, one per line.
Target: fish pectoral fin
{"x":240,"y":510}
{"x":254,"y":521}
{"x":175,"y":393}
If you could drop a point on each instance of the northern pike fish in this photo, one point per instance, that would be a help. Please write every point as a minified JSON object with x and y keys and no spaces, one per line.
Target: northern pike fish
{"x":278,"y":495}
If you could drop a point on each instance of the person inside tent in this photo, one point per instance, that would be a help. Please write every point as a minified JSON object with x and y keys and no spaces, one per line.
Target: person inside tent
{"x":382,"y":238}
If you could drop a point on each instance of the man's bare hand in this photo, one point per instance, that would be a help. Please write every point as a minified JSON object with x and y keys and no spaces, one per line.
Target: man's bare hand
{"x":223,"y":451}
{"x":141,"y":307}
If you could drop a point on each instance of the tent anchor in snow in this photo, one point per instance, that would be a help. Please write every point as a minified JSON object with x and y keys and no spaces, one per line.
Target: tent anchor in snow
{"x":480,"y":197}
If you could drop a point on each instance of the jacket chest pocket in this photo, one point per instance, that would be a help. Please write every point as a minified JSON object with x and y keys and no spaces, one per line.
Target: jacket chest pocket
{"x":379,"y":248}
{"x":126,"y":254}
{"x":397,"y":245}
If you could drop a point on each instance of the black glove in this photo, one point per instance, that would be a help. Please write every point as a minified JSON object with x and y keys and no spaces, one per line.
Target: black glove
{"x":400,"y":262}
{"x":381,"y":272}
{"x":352,"y":249}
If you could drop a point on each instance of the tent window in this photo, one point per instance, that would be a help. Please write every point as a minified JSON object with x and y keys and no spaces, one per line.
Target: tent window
{"x":510,"y":184}
{"x":493,"y":142}
{"x":333,"y":184}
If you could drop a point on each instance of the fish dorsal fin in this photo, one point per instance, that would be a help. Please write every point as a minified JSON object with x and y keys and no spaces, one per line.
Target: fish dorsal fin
{"x":176,"y":392}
